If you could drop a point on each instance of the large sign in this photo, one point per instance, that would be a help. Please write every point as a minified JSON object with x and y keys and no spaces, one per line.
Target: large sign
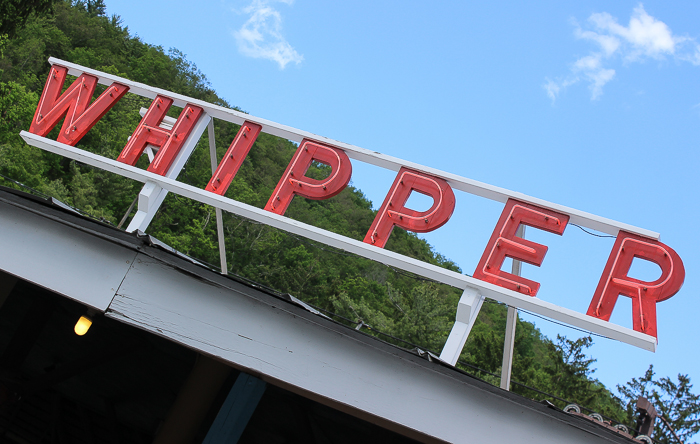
{"x":169,"y":142}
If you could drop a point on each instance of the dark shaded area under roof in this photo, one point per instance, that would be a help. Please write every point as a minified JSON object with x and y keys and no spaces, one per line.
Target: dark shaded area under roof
{"x":117,"y":384}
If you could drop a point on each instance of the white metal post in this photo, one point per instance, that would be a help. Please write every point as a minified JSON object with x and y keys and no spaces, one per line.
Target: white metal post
{"x":152,"y":194}
{"x":509,"y":342}
{"x":467,"y":310}
{"x":219,"y":216}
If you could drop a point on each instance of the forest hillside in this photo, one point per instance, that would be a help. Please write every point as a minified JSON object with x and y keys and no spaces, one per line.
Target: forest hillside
{"x":398,"y":307}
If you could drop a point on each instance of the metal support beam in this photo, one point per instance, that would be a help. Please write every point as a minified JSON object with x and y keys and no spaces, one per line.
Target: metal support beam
{"x":193,"y":401}
{"x":511,"y":320}
{"x":219,"y":215}
{"x":237,"y":410}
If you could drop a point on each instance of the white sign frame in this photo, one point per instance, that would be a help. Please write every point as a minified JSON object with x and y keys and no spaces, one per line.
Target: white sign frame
{"x":475,"y":289}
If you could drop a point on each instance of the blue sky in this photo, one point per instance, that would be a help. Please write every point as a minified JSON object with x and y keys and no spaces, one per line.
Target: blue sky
{"x":592,"y":105}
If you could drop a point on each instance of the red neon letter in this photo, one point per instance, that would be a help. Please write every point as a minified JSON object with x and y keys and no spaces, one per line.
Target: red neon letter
{"x":394,"y":212}
{"x":234,"y":157}
{"x":73,"y":104}
{"x":294,"y":182}
{"x":644,"y":295}
{"x":504,"y":243}
{"x":169,"y":142}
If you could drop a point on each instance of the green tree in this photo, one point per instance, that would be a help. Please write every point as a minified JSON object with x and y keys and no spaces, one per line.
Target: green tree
{"x":673,"y":400}
{"x":15,"y":13}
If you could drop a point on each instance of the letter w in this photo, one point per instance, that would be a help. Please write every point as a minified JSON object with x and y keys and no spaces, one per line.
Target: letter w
{"x":73,"y":104}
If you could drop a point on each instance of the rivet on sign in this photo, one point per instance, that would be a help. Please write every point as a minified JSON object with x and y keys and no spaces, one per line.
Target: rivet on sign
{"x":488,"y":266}
{"x":400,"y":217}
{"x":644,"y":288}
{"x":324,"y":187}
{"x":518,"y":287}
{"x":546,"y":218}
{"x":291,"y":173}
{"x":426,"y":220}
{"x":218,"y":179}
{"x":231,"y":156}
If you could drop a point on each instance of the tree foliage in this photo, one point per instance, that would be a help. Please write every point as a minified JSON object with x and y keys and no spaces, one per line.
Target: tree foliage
{"x":673,"y":400}
{"x":15,"y":13}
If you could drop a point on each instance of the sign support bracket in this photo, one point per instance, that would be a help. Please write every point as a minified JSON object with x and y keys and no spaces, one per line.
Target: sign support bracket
{"x":219,"y":215}
{"x":152,"y":195}
{"x":511,"y":320}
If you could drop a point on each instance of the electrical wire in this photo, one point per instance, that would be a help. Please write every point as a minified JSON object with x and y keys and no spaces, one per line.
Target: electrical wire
{"x":49,"y":198}
{"x":591,"y":233}
{"x":488,"y":301}
{"x":341,"y":252}
{"x":462,"y":362}
{"x":34,"y":191}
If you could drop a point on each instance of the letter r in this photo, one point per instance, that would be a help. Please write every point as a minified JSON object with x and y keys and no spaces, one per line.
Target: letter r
{"x":644,"y":295}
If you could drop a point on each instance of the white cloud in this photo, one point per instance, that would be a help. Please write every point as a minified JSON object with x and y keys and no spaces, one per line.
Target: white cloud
{"x":553,"y":88}
{"x":643,"y":38}
{"x":261,"y":35}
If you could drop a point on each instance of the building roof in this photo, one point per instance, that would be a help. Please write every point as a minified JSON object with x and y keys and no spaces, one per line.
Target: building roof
{"x":138,"y":281}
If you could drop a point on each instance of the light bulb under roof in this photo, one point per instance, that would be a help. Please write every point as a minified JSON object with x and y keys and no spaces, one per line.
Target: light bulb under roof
{"x":83,"y":325}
